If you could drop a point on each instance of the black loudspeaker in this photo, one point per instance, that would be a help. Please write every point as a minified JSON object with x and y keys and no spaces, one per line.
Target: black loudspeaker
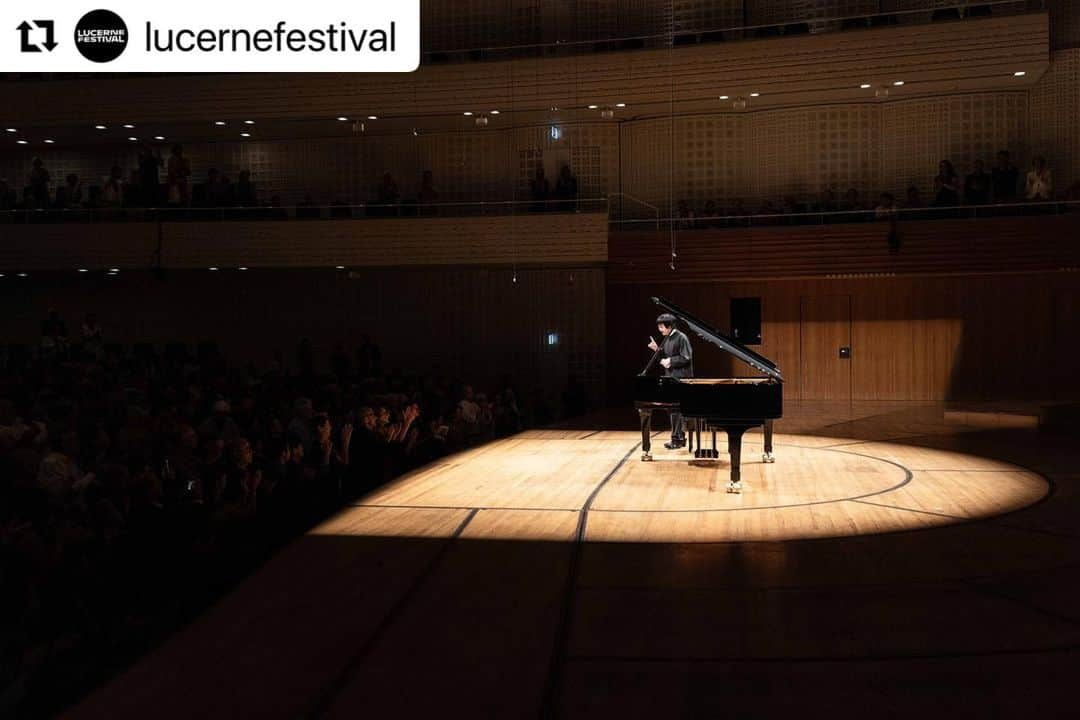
{"x":746,"y":320}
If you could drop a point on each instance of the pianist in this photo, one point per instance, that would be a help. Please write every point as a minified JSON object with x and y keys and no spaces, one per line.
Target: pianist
{"x":677,"y":359}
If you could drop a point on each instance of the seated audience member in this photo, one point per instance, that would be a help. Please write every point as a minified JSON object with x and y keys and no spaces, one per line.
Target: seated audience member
{"x":709,"y":214}
{"x":1004,"y":177}
{"x":1040,"y":184}
{"x":946,"y":186}
{"x":566,"y":189}
{"x":913,"y":199}
{"x":540,"y":190}
{"x":306,"y":209}
{"x":851,"y":205}
{"x":978,"y":185}
{"x":827,"y":202}
{"x":69,"y":195}
{"x":245,"y":194}
{"x":886,"y":208}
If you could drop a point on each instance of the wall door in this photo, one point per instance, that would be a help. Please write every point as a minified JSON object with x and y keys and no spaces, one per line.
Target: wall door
{"x":825,"y":344}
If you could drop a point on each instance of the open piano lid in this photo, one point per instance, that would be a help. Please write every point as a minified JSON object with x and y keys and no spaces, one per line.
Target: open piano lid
{"x":748,"y":356}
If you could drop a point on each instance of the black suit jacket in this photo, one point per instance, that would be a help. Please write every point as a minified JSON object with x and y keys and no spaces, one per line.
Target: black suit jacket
{"x":676,"y":346}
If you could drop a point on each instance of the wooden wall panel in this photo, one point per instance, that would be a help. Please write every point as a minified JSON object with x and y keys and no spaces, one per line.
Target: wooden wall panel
{"x":824,"y":328}
{"x":932,"y":338}
{"x":1013,"y":244}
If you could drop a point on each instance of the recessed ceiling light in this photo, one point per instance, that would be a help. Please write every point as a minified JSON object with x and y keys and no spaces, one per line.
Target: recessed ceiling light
{"x":242,"y":267}
{"x":593,"y":107}
{"x":21,"y":142}
{"x":212,"y":269}
{"x":245,"y":134}
{"x":898,"y":83}
{"x":372,"y":117}
{"x":129,"y":126}
{"x":723,"y":97}
{"x":133,"y":139}
{"x":49,"y":141}
{"x":114,"y":270}
{"x":620,"y":105}
{"x":339,"y":267}
{"x":83,"y":270}
{"x":864,"y":86}
{"x":12,"y":130}
{"x":21,"y":274}
{"x":159,"y":137}
{"x":343,"y":119}
{"x":494,"y":112}
{"x":219,"y":122}
{"x":1,"y":274}
{"x":467,"y":113}
{"x":249,"y":122}
{"x":1020,"y":73}
{"x":99,"y":127}
{"x":755,"y":94}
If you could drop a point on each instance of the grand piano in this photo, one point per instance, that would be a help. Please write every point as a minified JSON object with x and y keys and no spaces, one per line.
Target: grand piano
{"x":733,"y":405}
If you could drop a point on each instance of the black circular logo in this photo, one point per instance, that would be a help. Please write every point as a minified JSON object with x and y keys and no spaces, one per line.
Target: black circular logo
{"x":101,"y":36}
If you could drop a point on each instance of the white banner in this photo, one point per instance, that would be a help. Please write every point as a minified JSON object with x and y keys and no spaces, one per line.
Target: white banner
{"x":210,"y":36}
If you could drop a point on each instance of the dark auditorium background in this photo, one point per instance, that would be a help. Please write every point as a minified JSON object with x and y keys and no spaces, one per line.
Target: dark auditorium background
{"x":200,"y":273}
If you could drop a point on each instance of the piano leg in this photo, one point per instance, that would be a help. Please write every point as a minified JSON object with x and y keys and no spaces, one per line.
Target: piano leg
{"x":645,"y":414}
{"x":768,"y":456}
{"x":734,"y":435}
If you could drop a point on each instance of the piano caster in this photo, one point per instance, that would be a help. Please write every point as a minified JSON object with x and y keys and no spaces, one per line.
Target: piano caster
{"x":768,"y":458}
{"x":734,"y":487}
{"x":646,"y":457}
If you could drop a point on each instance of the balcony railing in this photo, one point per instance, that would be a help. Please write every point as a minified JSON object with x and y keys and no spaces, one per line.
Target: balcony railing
{"x":359,"y":211}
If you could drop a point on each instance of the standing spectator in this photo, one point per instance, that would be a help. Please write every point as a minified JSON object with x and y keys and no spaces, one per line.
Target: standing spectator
{"x":946,"y":186}
{"x":686,"y":216}
{"x":1003,"y":179}
{"x":1040,"y":184}
{"x":112,"y":193}
{"x":540,"y":189}
{"x":245,"y":190}
{"x":977,"y":185}
{"x":387,"y":194}
{"x":428,"y":194}
{"x":913,"y":199}
{"x":39,"y":184}
{"x":7,"y":197}
{"x":300,"y":425}
{"x":93,"y":346}
{"x":177,"y":172}
{"x":149,"y":162}
{"x":566,"y":189}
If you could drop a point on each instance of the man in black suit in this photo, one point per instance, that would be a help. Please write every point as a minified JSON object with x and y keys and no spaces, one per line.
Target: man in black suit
{"x":677,"y":361}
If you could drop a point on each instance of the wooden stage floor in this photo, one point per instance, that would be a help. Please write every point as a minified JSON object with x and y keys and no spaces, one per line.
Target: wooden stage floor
{"x":888,"y":564}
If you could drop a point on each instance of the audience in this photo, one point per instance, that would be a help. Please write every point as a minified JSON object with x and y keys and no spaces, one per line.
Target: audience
{"x":979,"y":187}
{"x":135,"y":487}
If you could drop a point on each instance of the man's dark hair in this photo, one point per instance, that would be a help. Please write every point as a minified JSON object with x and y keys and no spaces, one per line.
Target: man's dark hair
{"x":666,"y":319}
